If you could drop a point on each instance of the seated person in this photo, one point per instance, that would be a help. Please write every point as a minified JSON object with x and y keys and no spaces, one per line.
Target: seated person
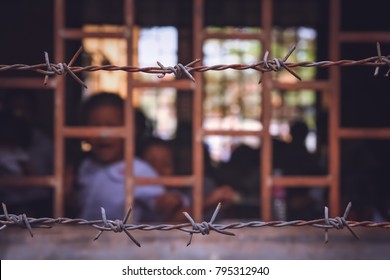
{"x":15,"y":138}
{"x":24,"y":105}
{"x":101,"y":176}
{"x":159,"y":154}
{"x":15,"y":162}
{"x":242,"y":173}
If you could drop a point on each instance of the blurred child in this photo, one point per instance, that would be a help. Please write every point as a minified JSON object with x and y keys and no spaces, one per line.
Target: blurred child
{"x":24,"y":105}
{"x":101,"y":176}
{"x":15,"y":138}
{"x":159,"y":154}
{"x":15,"y":162}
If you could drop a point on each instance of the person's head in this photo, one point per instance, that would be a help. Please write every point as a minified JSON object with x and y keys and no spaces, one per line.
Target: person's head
{"x":143,"y":125}
{"x":105,"y":109}
{"x":22,"y":104}
{"x":143,"y":130}
{"x":14,"y":132}
{"x":159,"y":154}
{"x":299,"y":131}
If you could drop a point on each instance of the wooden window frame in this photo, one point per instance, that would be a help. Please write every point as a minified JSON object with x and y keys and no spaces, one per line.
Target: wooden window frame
{"x":330,"y":86}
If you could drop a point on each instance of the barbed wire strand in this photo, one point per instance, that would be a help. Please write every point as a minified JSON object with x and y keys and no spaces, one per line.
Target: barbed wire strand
{"x":264,"y":66}
{"x":204,"y":228}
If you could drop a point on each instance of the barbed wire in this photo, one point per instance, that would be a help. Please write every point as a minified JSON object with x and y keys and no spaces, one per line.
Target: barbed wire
{"x":266,"y":65}
{"x":203,"y":228}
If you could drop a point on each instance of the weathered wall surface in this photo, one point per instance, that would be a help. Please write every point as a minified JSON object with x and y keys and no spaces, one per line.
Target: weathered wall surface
{"x":66,"y":242}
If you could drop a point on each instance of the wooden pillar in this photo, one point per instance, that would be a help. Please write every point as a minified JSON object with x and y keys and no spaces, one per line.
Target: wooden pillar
{"x":266,"y":142}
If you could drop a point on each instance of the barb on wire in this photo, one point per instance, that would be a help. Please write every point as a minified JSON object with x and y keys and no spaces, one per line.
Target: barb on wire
{"x":276,"y":64}
{"x":178,"y":70}
{"x":19,"y":220}
{"x":338,"y":222}
{"x":380,"y":60}
{"x":115,"y":226}
{"x":204,"y":228}
{"x":62,"y":68}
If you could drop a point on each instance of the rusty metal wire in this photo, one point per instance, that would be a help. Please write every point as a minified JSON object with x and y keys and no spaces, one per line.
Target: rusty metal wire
{"x":204,"y":228}
{"x":264,"y":66}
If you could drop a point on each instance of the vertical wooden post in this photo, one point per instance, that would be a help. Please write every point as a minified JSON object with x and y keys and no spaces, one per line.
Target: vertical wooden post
{"x":334,"y":109}
{"x":59,"y":110}
{"x":266,"y":142}
{"x":197,"y":152}
{"x":129,"y":110}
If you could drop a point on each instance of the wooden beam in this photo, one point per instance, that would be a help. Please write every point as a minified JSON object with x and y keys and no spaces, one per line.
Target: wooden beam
{"x":181,"y":84}
{"x":364,"y":133}
{"x":197,"y":112}
{"x":78,"y":34}
{"x":233,"y":36}
{"x":174,"y":181}
{"x":59,"y":110}
{"x":266,"y":143}
{"x":87,"y":131}
{"x":364,"y":37}
{"x":221,"y":132}
{"x":301,"y":181}
{"x":41,"y":181}
{"x":27,"y":83}
{"x":129,"y":127}
{"x":315,"y":85}
{"x":334,"y":108}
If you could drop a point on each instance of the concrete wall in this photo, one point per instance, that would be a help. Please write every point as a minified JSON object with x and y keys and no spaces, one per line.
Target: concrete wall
{"x":67,"y":242}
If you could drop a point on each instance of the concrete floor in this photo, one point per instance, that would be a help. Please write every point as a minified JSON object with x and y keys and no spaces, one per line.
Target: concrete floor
{"x":67,"y":242}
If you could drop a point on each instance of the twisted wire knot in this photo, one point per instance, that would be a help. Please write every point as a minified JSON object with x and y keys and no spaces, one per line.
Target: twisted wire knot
{"x":380,"y":60}
{"x":205,"y":227}
{"x":338,"y":222}
{"x":18,"y":220}
{"x":115,"y":226}
{"x":62,"y":68}
{"x":277,"y":64}
{"x":178,"y":70}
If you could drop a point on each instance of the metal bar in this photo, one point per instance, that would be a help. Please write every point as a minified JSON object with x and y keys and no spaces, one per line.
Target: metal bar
{"x":59,"y":109}
{"x":176,"y":181}
{"x":41,"y":181}
{"x":366,"y":133}
{"x":197,"y":114}
{"x":266,"y":143}
{"x":364,"y":37}
{"x":77,"y":34}
{"x":334,"y":108}
{"x":302,"y":181}
{"x":79,"y":132}
{"x":129,"y":110}
{"x":27,"y":83}
{"x":257,"y":133}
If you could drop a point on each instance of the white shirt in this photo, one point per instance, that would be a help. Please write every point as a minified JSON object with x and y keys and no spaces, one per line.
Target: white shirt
{"x":103,"y":186}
